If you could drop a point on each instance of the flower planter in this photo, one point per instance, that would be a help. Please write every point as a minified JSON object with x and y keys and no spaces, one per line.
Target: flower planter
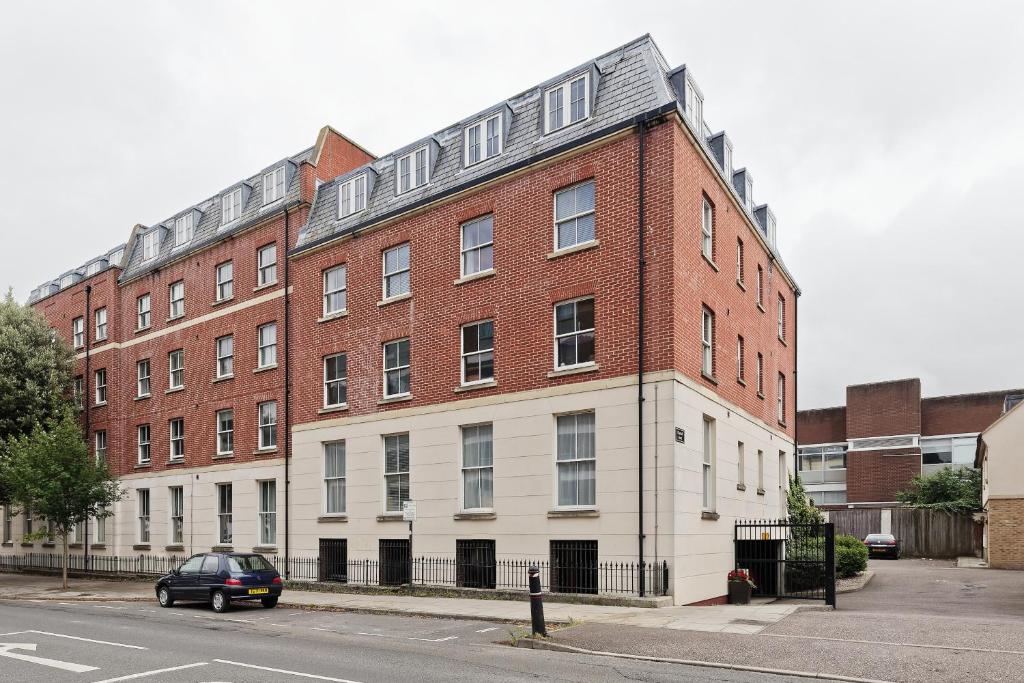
{"x":739,"y":593}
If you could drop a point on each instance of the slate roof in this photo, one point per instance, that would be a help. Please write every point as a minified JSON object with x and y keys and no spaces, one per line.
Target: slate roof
{"x":106,"y":261}
{"x":208,"y":228}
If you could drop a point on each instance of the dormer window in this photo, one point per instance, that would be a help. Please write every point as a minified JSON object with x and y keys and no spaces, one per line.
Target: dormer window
{"x":66,"y":281}
{"x":482,"y":140}
{"x":567,"y":103}
{"x":231,"y":205}
{"x":352,"y":196}
{"x":694,"y":108}
{"x":115,"y":258}
{"x":183,"y":228}
{"x":94,"y":268}
{"x":413,"y":169}
{"x":149,"y":245}
{"x":273,"y":185}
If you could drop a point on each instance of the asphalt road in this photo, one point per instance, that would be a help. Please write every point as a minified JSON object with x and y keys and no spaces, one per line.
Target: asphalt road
{"x":105,"y":642}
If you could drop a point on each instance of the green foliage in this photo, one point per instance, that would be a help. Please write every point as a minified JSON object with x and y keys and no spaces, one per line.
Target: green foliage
{"x":851,"y":556}
{"x":949,"y":489}
{"x":801,"y":510}
{"x":805,"y":569}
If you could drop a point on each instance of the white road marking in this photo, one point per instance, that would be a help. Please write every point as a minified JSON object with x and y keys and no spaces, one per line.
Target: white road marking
{"x":436,"y":640}
{"x":152,"y":673}
{"x":317,"y":628}
{"x":295,"y":614}
{"x":379,"y":635}
{"x":86,"y":640}
{"x":240,"y":621}
{"x":286,"y":671}
{"x":5,"y":651}
{"x":488,"y":630}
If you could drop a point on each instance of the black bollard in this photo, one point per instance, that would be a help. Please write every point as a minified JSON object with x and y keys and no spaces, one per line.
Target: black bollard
{"x":536,"y":603}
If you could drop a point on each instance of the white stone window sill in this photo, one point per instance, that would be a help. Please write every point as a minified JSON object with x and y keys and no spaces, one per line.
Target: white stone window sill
{"x":574,"y":370}
{"x":582,"y":246}
{"x":265,"y":368}
{"x":395,"y":399}
{"x":174,"y":390}
{"x":475,"y":276}
{"x":333,"y":316}
{"x":476,"y":385}
{"x":394,"y":299}
{"x":341,"y":407}
{"x":267,"y":285}
{"x":223,"y":378}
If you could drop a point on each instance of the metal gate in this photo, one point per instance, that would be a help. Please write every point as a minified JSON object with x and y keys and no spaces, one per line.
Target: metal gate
{"x":333,"y":560}
{"x":788,"y":560}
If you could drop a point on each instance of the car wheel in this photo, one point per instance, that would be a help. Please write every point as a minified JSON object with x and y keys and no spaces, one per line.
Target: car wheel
{"x":220,"y":601}
{"x":163,"y":596}
{"x":269,"y":603}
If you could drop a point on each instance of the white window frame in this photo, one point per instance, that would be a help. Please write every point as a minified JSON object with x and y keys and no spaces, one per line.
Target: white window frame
{"x":172,"y":369}
{"x":143,"y":436}
{"x":478,"y":468}
{"x":760,"y":471}
{"x":225,"y":513}
{"x":780,"y":398}
{"x":782,"y":318}
{"x":228,"y":433}
{"x":481,"y":127}
{"x":695,"y":108}
{"x":184,"y":229}
{"x":397,"y":368}
{"x":274,"y":185}
{"x":101,"y":323}
{"x":78,"y":332}
{"x":760,"y":374}
{"x":267,"y":420}
{"x":142,"y":504}
{"x":266,"y":494}
{"x":398,"y":472}
{"x":267,"y":351}
{"x":760,"y":286}
{"x":78,"y":392}
{"x":231,"y":206}
{"x":143,"y":379}
{"x":342,"y":291}
{"x":335,"y":476}
{"x":100,"y":445}
{"x":707,"y":230}
{"x":708,"y":465}
{"x":741,"y":364}
{"x":352,"y":197}
{"x":150,"y":247}
{"x":343,"y":380}
{"x":176,"y":515}
{"x":100,"y":380}
{"x":466,"y":356}
{"x":144,"y":312}
{"x":477,"y":249}
{"x":707,"y":338}
{"x":575,"y":333}
{"x":740,"y":261}
{"x":266,"y":271}
{"x":413,"y":158}
{"x":564,"y":91}
{"x":225,"y":360}
{"x":741,"y":465}
{"x":575,"y":461}
{"x":225,"y":285}
{"x":176,"y":438}
{"x":575,"y":217}
{"x":386,"y":275}
{"x":176,"y":302}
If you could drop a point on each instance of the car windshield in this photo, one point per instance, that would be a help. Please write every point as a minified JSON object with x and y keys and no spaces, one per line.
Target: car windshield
{"x":242,"y":564}
{"x":878,"y":538}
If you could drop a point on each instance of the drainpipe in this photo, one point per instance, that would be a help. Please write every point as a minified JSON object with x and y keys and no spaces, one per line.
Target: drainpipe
{"x":287,"y":396}
{"x":796,"y":384}
{"x":86,"y":393}
{"x":641,"y":267}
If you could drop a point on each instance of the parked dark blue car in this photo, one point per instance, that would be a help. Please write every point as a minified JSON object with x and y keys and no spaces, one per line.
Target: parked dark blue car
{"x":220,"y":578}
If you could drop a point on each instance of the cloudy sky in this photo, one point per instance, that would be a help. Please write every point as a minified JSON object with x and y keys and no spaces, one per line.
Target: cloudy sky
{"x":886,"y":136}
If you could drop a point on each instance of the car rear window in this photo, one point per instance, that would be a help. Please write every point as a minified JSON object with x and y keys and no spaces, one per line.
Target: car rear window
{"x":878,"y":538}
{"x":243,"y":564}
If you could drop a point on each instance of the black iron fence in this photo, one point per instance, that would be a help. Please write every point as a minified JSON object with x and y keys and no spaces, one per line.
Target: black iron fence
{"x":787,"y":559}
{"x":472,"y":568}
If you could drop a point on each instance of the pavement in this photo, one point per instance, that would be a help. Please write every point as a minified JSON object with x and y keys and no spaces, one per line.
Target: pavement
{"x":745,"y":619}
{"x":918,"y":621}
{"x":99,"y":641}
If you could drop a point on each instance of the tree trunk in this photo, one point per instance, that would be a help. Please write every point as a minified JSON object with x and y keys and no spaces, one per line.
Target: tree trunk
{"x":65,"y":563}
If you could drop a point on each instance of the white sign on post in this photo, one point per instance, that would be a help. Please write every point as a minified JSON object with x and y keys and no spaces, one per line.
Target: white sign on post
{"x":409,"y":511}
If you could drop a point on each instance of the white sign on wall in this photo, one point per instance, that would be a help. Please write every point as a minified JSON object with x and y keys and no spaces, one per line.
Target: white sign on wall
{"x":409,"y":511}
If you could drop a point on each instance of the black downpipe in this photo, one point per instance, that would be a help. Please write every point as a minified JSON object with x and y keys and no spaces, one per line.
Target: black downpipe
{"x":287,"y":396}
{"x":86,"y":393}
{"x":641,"y":264}
{"x":796,"y":385}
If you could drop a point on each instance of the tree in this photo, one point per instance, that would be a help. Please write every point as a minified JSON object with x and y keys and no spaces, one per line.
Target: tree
{"x":949,"y":489}
{"x":801,"y":509}
{"x":50,"y":472}
{"x":35,"y":372}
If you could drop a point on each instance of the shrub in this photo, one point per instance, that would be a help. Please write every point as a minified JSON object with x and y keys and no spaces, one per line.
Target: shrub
{"x":851,"y":556}
{"x":805,"y":570}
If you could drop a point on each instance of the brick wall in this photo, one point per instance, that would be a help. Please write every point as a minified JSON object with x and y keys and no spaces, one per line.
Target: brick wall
{"x":825,"y":425}
{"x":1005,"y":543}
{"x":962,"y":414}
{"x":876,"y":476}
{"x":883,"y":408}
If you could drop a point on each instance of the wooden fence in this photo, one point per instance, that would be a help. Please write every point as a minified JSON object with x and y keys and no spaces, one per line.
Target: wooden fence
{"x":921,"y":533}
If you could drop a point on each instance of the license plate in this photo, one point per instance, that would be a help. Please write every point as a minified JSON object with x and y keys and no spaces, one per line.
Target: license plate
{"x":258,"y":591}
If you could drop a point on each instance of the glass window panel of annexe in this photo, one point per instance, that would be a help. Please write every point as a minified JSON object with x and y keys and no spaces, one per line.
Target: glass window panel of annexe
{"x":478,"y":467}
{"x":478,"y":245}
{"x":396,"y":471}
{"x":334,"y":477}
{"x":576,"y":459}
{"x":574,"y":215}
{"x":397,"y":381}
{"x":478,"y":352}
{"x":574,"y":332}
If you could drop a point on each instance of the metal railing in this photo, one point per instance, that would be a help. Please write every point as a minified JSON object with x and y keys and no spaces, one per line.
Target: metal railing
{"x":615,"y":578}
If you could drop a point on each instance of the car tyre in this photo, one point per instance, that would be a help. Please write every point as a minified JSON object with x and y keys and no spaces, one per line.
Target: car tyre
{"x":163,"y":596}
{"x":220,"y":601}
{"x":269,"y":603}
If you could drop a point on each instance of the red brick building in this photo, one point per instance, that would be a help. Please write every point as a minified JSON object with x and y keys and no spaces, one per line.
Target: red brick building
{"x":864,"y":453}
{"x":458,"y":324}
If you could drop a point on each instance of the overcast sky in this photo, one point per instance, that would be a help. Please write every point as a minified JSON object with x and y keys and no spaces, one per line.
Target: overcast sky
{"x":887,"y":138}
